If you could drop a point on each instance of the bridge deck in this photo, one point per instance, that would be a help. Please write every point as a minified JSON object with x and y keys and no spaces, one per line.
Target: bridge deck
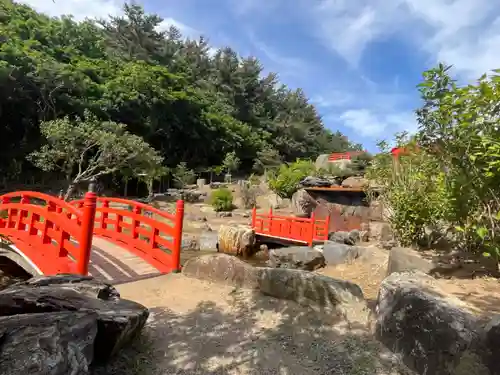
{"x":113,"y":264}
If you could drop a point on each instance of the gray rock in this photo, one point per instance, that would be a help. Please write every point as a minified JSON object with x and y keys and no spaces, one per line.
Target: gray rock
{"x":224,"y":214}
{"x":337,"y":253}
{"x":492,"y":341}
{"x":190,"y":243}
{"x":355,"y":182}
{"x":223,"y":269}
{"x":119,"y":320}
{"x":405,"y":259}
{"x":310,"y":289}
{"x":296,"y":257}
{"x":47,"y":344}
{"x":86,"y":285}
{"x":208,"y":240}
{"x":348,"y":238}
{"x":303,"y":204}
{"x":311,"y":181}
{"x":432,"y":331}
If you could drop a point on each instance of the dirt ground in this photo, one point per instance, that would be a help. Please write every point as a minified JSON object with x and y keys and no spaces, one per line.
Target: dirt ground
{"x":201,"y":328}
{"x":482,"y":294}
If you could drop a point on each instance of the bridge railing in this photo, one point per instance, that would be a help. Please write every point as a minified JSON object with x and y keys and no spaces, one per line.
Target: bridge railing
{"x":51,"y":233}
{"x":303,"y":230}
{"x":151,"y":234}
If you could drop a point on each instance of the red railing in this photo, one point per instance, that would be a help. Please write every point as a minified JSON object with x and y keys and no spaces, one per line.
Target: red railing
{"x":344,"y":155}
{"x":147,"y":232}
{"x":296,"y":229}
{"x":55,"y":236}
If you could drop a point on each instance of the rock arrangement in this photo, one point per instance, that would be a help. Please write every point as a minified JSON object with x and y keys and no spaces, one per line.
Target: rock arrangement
{"x":309,"y":289}
{"x":63,"y":325}
{"x":434,"y":333}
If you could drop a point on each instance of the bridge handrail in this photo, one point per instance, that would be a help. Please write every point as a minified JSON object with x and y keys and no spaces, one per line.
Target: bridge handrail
{"x":315,"y":229}
{"x":56,"y":203}
{"x":132,"y":203}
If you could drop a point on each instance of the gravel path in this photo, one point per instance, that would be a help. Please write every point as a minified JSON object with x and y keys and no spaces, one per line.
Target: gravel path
{"x":201,"y":328}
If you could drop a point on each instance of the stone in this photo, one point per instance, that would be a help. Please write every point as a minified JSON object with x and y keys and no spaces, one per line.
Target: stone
{"x":311,"y":289}
{"x":311,"y":181}
{"x":433,"y":332}
{"x":303,"y":204}
{"x":86,"y":285}
{"x":348,"y":238}
{"x":222,"y":269}
{"x":224,"y":214}
{"x":406,"y":259}
{"x":296,"y":257}
{"x":492,"y":342}
{"x":236,"y":240}
{"x":355,"y":182}
{"x":57,"y":343}
{"x":337,"y":253}
{"x":119,"y":320}
{"x":208,"y":240}
{"x":388,"y":245}
{"x":380,"y":231}
{"x":190,"y":243}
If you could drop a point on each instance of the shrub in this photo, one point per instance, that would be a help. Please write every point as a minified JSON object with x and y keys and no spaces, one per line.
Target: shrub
{"x":415,"y":194}
{"x":222,"y":200}
{"x":183,"y":175}
{"x":286,"y":180}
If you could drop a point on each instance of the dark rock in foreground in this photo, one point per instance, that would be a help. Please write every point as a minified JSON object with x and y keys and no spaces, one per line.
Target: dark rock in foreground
{"x":117,"y":321}
{"x":296,"y":257}
{"x":50,"y":344}
{"x":432,"y":331}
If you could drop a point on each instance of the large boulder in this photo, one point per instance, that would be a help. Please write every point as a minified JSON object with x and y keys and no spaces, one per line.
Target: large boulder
{"x":348,"y":238}
{"x":433,"y":332}
{"x":492,"y":341}
{"x":222,"y":269}
{"x":311,"y":181}
{"x":296,"y":257}
{"x":405,"y":259}
{"x":311,"y":289}
{"x":338,"y":253}
{"x":303,"y":204}
{"x":58,"y":343}
{"x":236,"y":240}
{"x":355,"y":182}
{"x":119,"y":320}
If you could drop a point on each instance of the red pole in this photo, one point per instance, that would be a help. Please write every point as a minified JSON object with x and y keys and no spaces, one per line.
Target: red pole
{"x":87,"y":230}
{"x":313,"y":229}
{"x":179,"y":220}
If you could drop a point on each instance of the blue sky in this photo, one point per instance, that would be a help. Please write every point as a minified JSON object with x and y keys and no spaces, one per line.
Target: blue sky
{"x":358,"y":60}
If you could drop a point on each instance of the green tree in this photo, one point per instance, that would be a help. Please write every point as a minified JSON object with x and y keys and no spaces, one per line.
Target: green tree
{"x":231,"y":163}
{"x":86,"y":149}
{"x":183,"y":176}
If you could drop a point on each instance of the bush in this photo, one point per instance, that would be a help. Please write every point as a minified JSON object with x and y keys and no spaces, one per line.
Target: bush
{"x":222,"y":200}
{"x":415,"y":194}
{"x":183,"y":175}
{"x":249,"y":195}
{"x":286,"y":180}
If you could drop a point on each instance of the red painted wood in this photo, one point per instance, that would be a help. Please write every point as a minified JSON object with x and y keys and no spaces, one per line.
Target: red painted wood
{"x":57,"y":236}
{"x":304,"y":230}
{"x":127,"y":223}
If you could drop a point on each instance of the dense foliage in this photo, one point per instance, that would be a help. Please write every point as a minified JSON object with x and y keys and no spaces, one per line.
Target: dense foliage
{"x":222,"y":200}
{"x":189,"y":104}
{"x":285,"y":180}
{"x":453,"y":175}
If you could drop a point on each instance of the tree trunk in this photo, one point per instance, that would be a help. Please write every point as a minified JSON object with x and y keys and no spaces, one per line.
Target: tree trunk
{"x":69,"y":191}
{"x":125,"y":189}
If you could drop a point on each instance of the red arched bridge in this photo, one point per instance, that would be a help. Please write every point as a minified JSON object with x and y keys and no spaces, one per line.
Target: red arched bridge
{"x":114,"y":239}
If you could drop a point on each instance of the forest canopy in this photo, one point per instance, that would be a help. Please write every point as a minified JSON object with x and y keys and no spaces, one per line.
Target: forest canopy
{"x":189,"y":104}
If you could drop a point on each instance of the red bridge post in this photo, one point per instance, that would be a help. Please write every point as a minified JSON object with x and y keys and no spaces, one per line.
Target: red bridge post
{"x":179,"y":220}
{"x":89,"y":208}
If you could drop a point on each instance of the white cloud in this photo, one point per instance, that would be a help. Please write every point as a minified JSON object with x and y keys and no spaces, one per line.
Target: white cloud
{"x":464,"y":33}
{"x":79,"y":9}
{"x":367,"y":123}
{"x":186,"y":30}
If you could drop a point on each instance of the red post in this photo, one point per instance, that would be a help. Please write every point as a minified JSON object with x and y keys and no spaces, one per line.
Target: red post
{"x":179,"y":220}
{"x":87,"y":230}
{"x":254,"y":215}
{"x":327,"y":225}
{"x":313,"y":229}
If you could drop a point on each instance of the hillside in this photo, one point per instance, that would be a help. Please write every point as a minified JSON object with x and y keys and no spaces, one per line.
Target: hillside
{"x":190,"y":103}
